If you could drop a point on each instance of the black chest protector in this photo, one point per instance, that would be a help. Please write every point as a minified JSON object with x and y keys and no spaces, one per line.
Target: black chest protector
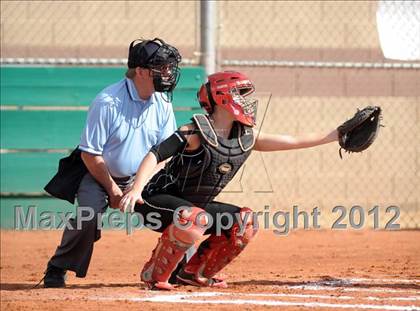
{"x":200,"y":176}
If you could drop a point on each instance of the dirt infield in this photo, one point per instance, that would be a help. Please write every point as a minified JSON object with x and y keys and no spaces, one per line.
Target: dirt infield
{"x":329,"y":270}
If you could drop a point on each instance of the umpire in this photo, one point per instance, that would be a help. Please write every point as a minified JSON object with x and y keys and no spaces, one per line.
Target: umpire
{"x":124,"y":121}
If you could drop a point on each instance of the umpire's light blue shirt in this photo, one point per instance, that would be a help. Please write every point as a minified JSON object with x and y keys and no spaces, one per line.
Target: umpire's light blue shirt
{"x":122,"y":127}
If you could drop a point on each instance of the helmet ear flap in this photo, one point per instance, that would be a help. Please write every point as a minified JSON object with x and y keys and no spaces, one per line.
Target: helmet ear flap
{"x":203,"y":96}
{"x":210,"y":96}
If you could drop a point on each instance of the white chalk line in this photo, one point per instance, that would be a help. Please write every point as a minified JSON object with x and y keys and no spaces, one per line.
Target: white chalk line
{"x":184,"y":298}
{"x":413,"y":298}
{"x":410,"y":298}
{"x":190,"y":299}
{"x":393,"y":280}
{"x":346,"y":289}
{"x":350,"y":285}
{"x":283,"y":295}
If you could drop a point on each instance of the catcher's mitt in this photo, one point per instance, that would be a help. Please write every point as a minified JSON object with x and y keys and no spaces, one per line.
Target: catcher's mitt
{"x":358,"y":133}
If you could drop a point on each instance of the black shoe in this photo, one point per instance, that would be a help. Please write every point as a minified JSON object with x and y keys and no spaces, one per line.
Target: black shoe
{"x":55,"y":277}
{"x":173,"y":279}
{"x":186,"y":278}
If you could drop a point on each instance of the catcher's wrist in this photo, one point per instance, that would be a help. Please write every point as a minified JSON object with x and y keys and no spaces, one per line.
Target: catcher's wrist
{"x":138,"y":184}
{"x":335,"y":134}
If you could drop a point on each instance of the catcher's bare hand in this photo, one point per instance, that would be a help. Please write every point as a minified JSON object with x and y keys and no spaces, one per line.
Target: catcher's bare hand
{"x":129,"y":200}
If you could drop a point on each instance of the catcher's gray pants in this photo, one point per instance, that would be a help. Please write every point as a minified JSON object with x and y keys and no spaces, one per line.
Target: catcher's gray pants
{"x":75,"y":251}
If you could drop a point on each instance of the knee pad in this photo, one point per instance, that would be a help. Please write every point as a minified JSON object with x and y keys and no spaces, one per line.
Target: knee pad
{"x":243,"y":232}
{"x":189,"y":227}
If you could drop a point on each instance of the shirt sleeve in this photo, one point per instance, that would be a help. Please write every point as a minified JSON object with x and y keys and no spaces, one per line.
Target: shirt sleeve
{"x":97,"y":129}
{"x":169,"y":124}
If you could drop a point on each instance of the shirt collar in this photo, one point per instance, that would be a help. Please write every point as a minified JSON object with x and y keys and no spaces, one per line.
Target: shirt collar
{"x":133,"y":91}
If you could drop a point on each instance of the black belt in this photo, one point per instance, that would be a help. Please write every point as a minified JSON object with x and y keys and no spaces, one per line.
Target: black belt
{"x":122,"y":179}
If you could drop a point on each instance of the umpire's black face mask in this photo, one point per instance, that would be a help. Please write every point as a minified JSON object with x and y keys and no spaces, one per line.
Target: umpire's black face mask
{"x":160,"y":58}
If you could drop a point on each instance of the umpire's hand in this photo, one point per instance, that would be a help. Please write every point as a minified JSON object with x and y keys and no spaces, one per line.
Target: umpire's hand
{"x":114,"y":197}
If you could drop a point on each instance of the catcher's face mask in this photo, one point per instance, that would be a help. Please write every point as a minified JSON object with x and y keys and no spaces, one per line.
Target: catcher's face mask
{"x":160,"y":58}
{"x":230,"y":90}
{"x":243,"y":108}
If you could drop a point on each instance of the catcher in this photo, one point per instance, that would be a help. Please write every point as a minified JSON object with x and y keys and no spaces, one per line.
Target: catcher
{"x":206,"y":154}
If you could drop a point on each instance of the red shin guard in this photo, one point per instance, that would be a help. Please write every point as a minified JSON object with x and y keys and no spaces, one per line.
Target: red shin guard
{"x":218,"y":252}
{"x":171,"y":247}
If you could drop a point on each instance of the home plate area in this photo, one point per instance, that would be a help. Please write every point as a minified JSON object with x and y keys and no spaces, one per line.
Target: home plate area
{"x":315,"y":270}
{"x":374,"y":294}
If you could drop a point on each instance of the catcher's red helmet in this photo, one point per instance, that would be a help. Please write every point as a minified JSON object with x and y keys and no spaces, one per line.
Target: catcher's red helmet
{"x":228,"y":90}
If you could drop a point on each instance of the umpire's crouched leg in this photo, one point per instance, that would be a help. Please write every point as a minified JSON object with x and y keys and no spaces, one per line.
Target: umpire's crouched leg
{"x":75,"y":251}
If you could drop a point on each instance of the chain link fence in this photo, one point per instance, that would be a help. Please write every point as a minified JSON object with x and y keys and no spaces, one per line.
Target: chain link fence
{"x":314,"y":31}
{"x":94,"y":29}
{"x":313,"y":63}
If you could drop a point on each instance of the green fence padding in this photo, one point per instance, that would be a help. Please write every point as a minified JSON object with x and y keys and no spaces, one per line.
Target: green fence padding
{"x":76,"y":86}
{"x":41,"y":129}
{"x":185,"y":99}
{"x":27,"y":171}
{"x":51,"y":129}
